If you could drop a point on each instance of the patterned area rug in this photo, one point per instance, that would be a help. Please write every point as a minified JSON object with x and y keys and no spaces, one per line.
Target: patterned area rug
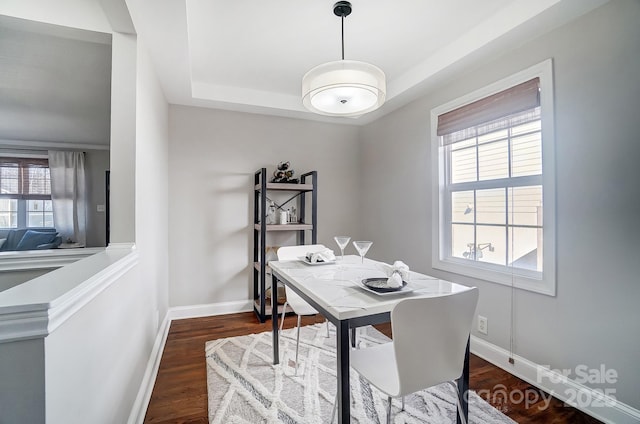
{"x":244,"y":387}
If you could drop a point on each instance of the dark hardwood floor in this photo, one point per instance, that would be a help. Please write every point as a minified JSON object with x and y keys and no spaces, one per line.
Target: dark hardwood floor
{"x":180,"y":392}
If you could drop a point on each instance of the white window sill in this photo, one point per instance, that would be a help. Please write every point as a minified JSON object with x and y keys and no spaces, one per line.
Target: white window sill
{"x":544,"y":285}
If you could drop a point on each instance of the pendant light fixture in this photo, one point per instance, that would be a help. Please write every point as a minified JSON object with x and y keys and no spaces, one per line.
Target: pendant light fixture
{"x":343,"y":87}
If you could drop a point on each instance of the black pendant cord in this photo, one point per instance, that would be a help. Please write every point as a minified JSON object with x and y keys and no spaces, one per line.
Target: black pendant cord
{"x":342,"y":9}
{"x":342,"y":20}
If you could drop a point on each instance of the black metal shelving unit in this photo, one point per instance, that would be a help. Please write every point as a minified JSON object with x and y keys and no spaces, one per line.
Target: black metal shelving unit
{"x":308,"y":186}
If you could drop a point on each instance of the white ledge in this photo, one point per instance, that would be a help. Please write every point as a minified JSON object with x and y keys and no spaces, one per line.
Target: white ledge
{"x":44,"y":259}
{"x":36,"y":308}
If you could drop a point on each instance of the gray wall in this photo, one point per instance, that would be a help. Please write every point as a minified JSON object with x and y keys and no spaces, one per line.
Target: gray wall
{"x":96,"y":163}
{"x":22,"y":386}
{"x":594,"y":319}
{"x":212,"y":159}
{"x":13,"y":278}
{"x":56,"y":83}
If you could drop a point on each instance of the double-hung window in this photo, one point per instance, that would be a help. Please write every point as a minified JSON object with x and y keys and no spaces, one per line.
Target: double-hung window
{"x":494,"y":192}
{"x":25,"y":193}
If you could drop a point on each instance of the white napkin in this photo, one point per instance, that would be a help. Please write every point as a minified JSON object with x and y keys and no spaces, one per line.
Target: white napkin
{"x":395,"y":280}
{"x":397,"y":273}
{"x":325,"y":255}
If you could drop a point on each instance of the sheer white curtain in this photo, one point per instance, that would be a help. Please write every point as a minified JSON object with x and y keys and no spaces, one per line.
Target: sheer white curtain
{"x":68,"y":195}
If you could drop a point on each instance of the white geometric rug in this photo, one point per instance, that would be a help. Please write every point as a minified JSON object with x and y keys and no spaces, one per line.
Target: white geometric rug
{"x":244,"y":387}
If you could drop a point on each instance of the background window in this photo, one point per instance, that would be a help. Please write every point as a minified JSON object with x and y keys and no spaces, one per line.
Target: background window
{"x":25,"y":193}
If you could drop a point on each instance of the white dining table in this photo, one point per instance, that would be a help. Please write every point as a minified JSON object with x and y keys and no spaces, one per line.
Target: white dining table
{"x":335,"y":290}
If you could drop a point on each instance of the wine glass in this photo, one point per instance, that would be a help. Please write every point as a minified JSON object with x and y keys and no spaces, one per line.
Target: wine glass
{"x":362,"y":247}
{"x":342,"y":243}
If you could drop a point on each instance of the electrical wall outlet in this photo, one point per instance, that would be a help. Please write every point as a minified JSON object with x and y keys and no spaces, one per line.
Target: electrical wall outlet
{"x":483,"y":325}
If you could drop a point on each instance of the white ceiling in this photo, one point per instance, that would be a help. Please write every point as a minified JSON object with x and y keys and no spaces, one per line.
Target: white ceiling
{"x":250,"y":55}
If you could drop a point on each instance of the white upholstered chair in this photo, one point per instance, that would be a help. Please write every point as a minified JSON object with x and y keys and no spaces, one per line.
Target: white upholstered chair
{"x":429,"y":341}
{"x":297,"y":304}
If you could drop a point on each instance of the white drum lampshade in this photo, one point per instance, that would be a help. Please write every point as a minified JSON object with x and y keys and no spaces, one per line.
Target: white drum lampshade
{"x":343,"y":88}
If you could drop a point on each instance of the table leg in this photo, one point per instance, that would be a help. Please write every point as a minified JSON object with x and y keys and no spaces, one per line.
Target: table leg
{"x":274,"y":319}
{"x":343,"y":348}
{"x":463,"y":388}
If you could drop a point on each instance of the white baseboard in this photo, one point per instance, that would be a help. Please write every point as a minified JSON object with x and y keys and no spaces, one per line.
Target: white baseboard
{"x":139,"y":409}
{"x":211,"y":309}
{"x":605,"y":408}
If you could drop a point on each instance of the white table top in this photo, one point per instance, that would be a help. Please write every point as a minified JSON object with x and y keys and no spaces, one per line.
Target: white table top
{"x":336,"y":287}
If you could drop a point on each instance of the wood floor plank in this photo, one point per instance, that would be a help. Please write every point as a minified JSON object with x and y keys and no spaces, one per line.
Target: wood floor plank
{"x":180,"y":391}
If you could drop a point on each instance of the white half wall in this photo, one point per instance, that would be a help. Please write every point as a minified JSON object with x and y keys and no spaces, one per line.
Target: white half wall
{"x":213,"y":156}
{"x":594,"y":319}
{"x":94,"y":361}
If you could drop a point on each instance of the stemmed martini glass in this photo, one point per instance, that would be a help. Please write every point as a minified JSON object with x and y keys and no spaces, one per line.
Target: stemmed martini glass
{"x":362,"y":247}
{"x":342,"y":243}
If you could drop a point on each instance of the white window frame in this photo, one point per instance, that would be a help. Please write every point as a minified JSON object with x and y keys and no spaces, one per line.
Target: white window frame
{"x":22,"y":209}
{"x":541,"y":282}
